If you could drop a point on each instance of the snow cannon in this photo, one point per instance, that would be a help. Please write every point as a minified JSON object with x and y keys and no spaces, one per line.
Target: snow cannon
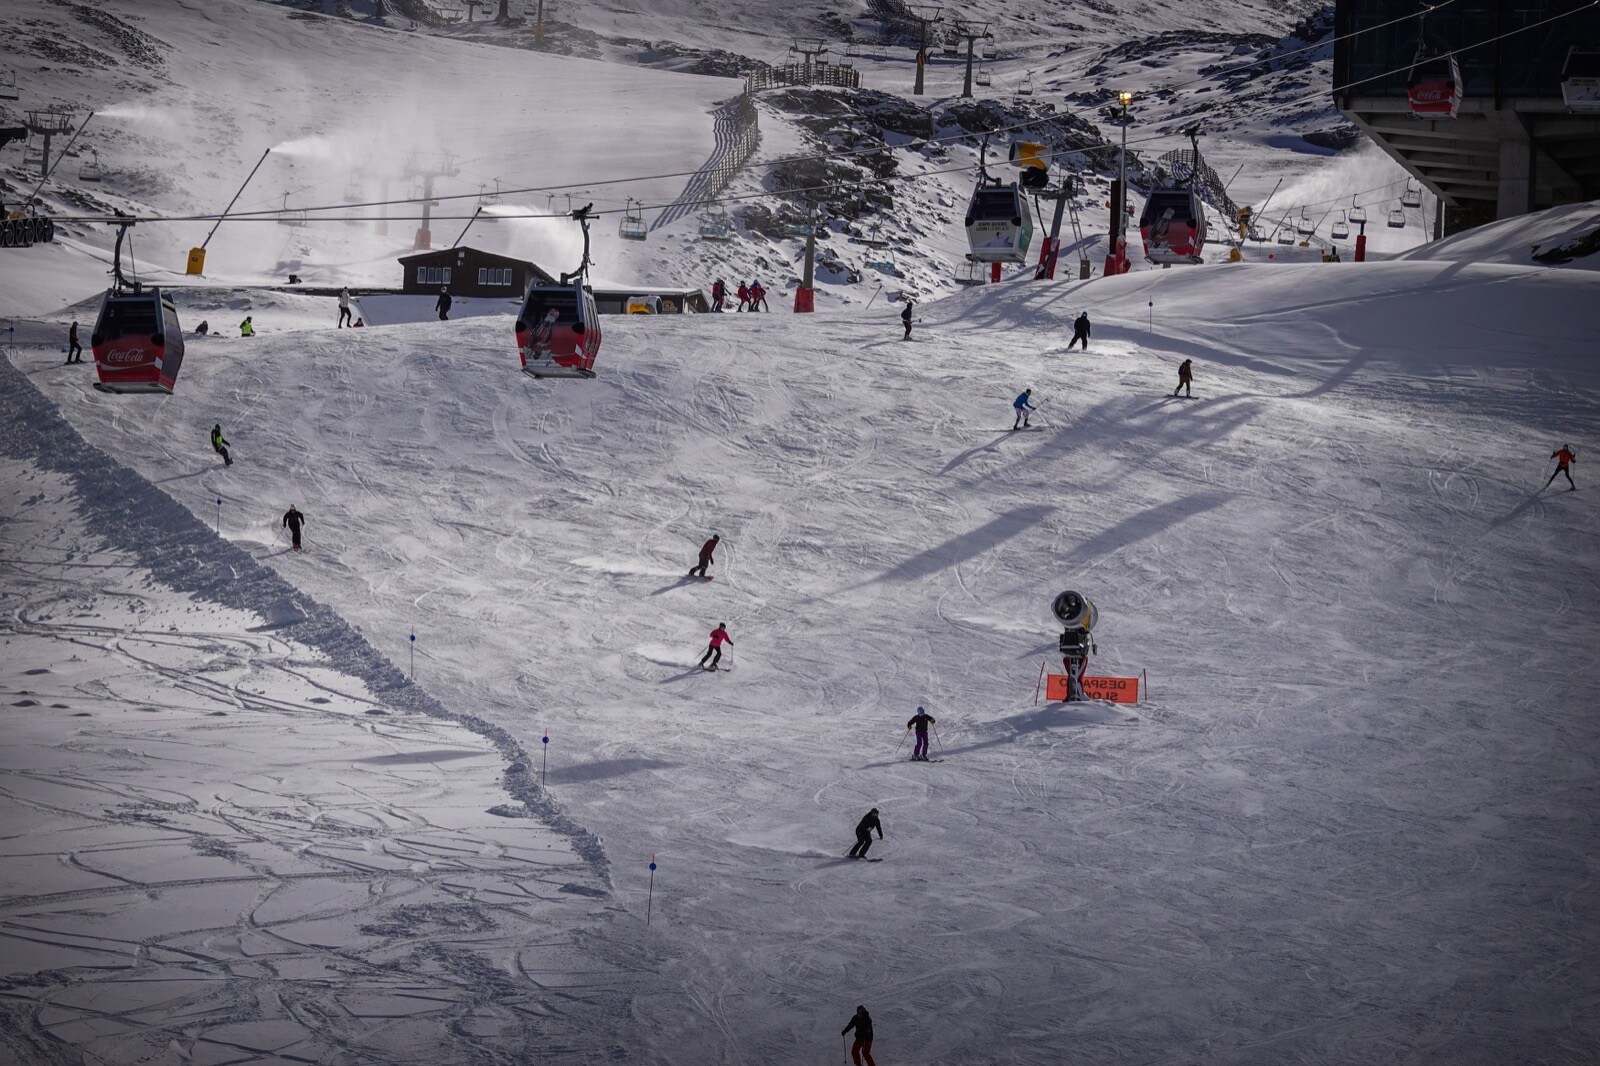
{"x":1077,"y":616}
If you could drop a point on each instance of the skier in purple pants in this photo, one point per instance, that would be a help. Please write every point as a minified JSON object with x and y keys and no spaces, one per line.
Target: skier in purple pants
{"x":920,"y":722}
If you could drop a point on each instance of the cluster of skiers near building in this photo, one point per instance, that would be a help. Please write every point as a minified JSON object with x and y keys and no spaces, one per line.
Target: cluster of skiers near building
{"x":752,"y":297}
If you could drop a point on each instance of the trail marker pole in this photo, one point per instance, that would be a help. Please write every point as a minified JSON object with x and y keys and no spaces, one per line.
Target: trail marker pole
{"x":650,"y":900}
{"x":413,"y":656}
{"x":546,"y":763}
{"x":1144,"y":683}
{"x":1150,"y":316}
{"x":1040,"y":683}
{"x":219,"y":516}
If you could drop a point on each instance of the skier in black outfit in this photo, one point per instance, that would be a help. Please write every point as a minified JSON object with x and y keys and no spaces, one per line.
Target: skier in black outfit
{"x":862,"y":1048}
{"x":1080,"y":331}
{"x":220,"y":445}
{"x":864,"y":830}
{"x":294,"y":520}
{"x":442,"y":304}
{"x":74,"y":349}
{"x":905,"y":317}
{"x":920,"y":722}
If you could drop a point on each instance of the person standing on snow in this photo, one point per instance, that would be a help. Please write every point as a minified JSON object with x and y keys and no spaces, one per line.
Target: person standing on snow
{"x":1080,"y":331}
{"x":294,"y":520}
{"x":864,"y":830}
{"x":1023,"y":409}
{"x":744,"y":296}
{"x":920,"y":722}
{"x":344,"y":307}
{"x":758,"y":296}
{"x":442,"y":304}
{"x":1185,"y":377}
{"x":719,"y":637}
{"x":1564,"y":458}
{"x":862,"y":1048}
{"x":74,"y":349}
{"x":905,"y":318}
{"x":719,"y":292}
{"x":220,"y":445}
{"x":706,"y":560}
{"x":246,"y":328}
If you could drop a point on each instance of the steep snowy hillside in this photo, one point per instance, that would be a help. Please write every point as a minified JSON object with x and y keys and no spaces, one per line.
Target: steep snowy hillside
{"x":1349,"y":822}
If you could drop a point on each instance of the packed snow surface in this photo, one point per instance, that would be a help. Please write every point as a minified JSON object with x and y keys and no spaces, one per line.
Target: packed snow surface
{"x":1350,"y":821}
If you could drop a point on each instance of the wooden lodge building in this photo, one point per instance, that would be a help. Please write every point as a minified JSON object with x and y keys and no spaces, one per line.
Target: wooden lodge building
{"x":474,"y":273}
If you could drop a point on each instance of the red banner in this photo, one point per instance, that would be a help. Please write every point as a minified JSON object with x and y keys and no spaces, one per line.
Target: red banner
{"x":1114,"y":689}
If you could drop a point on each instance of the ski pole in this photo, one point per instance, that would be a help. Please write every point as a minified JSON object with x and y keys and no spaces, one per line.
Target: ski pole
{"x":902,"y":743}
{"x":937,"y":740}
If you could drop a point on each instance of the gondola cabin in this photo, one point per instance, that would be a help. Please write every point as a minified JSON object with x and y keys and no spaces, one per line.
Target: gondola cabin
{"x":558,"y":331}
{"x":999,"y":224}
{"x":137,"y":342}
{"x":1580,"y":81}
{"x":1173,"y":226}
{"x":1434,"y":88}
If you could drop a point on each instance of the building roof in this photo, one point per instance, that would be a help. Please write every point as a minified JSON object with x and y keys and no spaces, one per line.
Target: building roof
{"x":454,"y":253}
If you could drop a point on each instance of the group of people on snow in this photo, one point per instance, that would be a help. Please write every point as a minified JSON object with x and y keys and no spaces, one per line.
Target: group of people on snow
{"x":752,"y":296}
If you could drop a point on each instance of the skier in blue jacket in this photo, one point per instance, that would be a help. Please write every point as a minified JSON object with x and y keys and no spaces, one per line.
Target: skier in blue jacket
{"x":1023,"y":408}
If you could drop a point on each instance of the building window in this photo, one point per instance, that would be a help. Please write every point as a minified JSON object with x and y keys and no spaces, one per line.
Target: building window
{"x":483,"y":275}
{"x":422,"y":275}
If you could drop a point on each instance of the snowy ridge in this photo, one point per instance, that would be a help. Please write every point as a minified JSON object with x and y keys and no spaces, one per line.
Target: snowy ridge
{"x":184,"y":554}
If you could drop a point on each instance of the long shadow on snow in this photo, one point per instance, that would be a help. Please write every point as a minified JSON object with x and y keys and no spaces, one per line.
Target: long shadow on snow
{"x":1050,"y":716}
{"x":960,"y":548}
{"x":601,"y":769}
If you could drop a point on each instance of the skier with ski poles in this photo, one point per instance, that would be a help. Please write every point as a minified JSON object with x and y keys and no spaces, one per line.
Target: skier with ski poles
{"x":1023,"y":409}
{"x":920,"y":722}
{"x":864,"y":830}
{"x":905,"y":317}
{"x":344,"y":307}
{"x":719,"y":637}
{"x":719,"y":292}
{"x":1185,"y":378}
{"x":294,"y":520}
{"x":862,"y":1048}
{"x":706,"y":560}
{"x":1564,"y":457}
{"x":744,"y":296}
{"x":1080,"y":331}
{"x":220,"y":445}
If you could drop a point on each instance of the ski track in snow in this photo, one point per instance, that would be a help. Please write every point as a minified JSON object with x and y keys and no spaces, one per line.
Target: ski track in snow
{"x":1348,"y":824}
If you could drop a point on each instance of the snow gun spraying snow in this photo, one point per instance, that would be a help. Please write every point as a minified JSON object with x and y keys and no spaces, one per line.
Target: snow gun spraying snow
{"x":1077,"y":617}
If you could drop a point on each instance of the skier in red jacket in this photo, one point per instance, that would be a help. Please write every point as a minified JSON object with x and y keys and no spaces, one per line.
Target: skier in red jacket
{"x":1564,"y":458}
{"x":706,"y":560}
{"x":719,"y":637}
{"x":744,"y":296}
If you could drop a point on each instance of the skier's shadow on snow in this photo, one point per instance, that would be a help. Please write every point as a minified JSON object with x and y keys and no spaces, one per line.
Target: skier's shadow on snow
{"x":183,"y":477}
{"x":992,"y":446}
{"x":691,"y":672}
{"x":1050,"y":716}
{"x":678,"y":584}
{"x":1518,"y":511}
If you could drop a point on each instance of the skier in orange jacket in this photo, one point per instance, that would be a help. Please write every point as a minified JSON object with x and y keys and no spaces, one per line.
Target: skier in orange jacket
{"x":1564,"y":458}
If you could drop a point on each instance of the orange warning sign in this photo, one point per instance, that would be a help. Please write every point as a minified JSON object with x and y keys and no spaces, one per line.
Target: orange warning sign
{"x":1114,"y":689}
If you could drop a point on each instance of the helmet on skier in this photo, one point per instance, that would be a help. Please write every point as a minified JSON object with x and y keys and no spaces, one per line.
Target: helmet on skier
{"x":922,"y":710}
{"x":722,"y":625}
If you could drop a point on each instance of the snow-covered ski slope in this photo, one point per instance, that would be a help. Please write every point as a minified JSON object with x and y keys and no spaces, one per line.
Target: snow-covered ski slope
{"x":1350,"y":823}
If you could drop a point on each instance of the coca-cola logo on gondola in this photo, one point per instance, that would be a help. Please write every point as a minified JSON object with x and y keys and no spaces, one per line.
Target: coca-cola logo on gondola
{"x":1436,"y":94}
{"x":126,"y":356}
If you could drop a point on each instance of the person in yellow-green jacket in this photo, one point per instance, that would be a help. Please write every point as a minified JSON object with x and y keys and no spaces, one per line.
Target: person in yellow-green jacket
{"x":246,"y":329}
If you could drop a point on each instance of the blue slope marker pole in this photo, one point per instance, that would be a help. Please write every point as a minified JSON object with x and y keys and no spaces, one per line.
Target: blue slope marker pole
{"x":650,"y":901}
{"x":546,"y":762}
{"x":219,"y":516}
{"x":1150,"y":319}
{"x":413,"y":656}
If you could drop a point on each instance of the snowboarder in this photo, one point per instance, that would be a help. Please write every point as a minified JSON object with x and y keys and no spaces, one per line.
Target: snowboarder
{"x":1564,"y":458}
{"x":1023,"y":409}
{"x":905,"y":318}
{"x":202,"y":329}
{"x":744,"y":296}
{"x":706,"y":560}
{"x":74,"y":349}
{"x":719,"y":636}
{"x":862,"y":1048}
{"x":1185,"y":377}
{"x":247,"y":328}
{"x":920,"y":722}
{"x":220,"y":445}
{"x":294,"y":520}
{"x":719,"y":292}
{"x":758,"y":296}
{"x":1080,"y":331}
{"x":442,"y":304}
{"x":344,"y":307}
{"x":864,"y":830}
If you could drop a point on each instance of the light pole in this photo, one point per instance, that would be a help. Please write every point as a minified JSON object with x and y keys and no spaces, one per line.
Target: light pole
{"x":1121,"y":249}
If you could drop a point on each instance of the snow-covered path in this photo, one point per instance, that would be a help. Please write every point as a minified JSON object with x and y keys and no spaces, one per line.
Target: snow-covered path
{"x":1351,"y":825}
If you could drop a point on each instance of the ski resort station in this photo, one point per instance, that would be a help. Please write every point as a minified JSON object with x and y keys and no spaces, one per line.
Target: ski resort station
{"x":866,"y":533}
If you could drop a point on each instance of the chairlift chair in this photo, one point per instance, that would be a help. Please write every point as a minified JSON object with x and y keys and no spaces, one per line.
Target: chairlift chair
{"x":1026,"y":86}
{"x":1341,"y":228}
{"x":1285,"y":233}
{"x":952,"y":46}
{"x":1303,"y":225}
{"x":716,"y":227}
{"x":8,"y":85}
{"x":1358,"y":215}
{"x":983,"y":76}
{"x":632,"y":226}
{"x":91,"y":171}
{"x":972,"y":272}
{"x":1580,"y":80}
{"x":1397,"y":219}
{"x":1412,"y":197}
